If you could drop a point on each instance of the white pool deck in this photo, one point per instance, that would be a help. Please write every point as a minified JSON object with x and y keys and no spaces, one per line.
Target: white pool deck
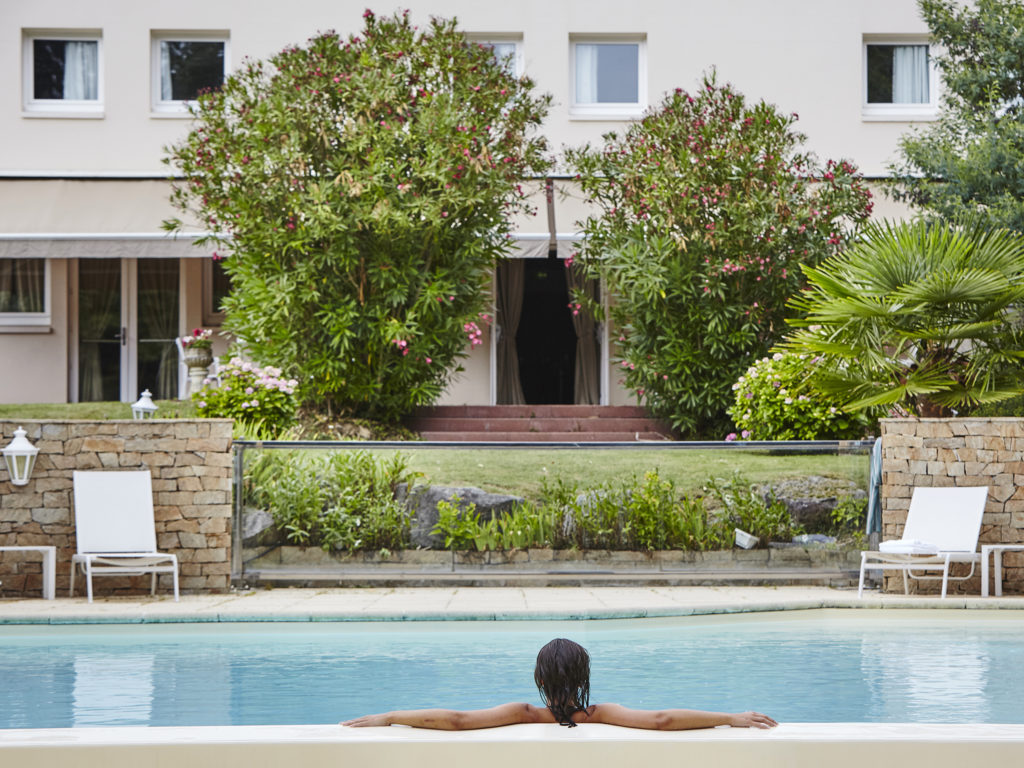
{"x":470,"y":603}
{"x":791,"y":745}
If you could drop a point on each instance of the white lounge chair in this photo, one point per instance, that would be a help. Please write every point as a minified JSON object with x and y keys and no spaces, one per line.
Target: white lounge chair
{"x":942,"y":528}
{"x":115,"y":529}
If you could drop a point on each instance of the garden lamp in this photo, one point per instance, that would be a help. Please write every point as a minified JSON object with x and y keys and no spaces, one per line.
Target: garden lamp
{"x":145,"y":408}
{"x":20,"y":457}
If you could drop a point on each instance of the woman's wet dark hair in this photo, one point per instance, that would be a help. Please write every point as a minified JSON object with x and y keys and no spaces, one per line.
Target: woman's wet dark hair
{"x":562,"y":676}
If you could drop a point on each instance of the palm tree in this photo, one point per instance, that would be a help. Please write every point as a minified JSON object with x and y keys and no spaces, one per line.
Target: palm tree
{"x":922,"y":317}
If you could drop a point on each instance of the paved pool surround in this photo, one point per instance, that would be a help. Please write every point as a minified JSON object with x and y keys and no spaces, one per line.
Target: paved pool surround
{"x":790,"y":745}
{"x":190,"y":461}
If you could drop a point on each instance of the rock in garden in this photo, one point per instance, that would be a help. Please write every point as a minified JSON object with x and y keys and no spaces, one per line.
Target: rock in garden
{"x":810,"y":500}
{"x":423,"y":504}
{"x":258,"y":529}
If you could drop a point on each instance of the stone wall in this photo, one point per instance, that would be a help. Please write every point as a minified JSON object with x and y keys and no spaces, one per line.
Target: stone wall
{"x":958,"y":452}
{"x":190,"y":461}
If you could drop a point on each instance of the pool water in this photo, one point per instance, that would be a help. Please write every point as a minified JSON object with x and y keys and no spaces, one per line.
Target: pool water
{"x":816,"y":666}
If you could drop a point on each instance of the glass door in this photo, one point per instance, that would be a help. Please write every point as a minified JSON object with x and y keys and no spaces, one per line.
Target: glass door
{"x":127,"y":322}
{"x":157,"y":315}
{"x":101,"y":334}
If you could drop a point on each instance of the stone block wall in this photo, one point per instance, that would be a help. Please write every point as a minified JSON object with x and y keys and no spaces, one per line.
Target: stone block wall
{"x":958,"y":452}
{"x":190,"y":461}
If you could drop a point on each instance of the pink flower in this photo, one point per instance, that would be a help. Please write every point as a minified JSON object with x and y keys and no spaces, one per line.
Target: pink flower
{"x":730,"y":437}
{"x":745,"y":434}
{"x":429,"y":361}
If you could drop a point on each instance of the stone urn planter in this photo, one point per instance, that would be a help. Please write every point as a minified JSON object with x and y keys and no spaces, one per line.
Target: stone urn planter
{"x":198,"y":362}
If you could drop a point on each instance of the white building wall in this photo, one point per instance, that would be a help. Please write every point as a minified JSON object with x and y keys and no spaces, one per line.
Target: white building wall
{"x":806,"y":56}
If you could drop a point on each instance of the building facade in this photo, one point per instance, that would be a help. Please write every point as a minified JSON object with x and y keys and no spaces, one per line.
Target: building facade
{"x":93,"y":293}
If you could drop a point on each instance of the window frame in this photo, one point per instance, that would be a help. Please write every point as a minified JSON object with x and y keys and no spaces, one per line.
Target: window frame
{"x":28,"y":322}
{"x":486,"y":38}
{"x":63,"y":108}
{"x":899,"y":112}
{"x":609,"y":110}
{"x":174,"y":108}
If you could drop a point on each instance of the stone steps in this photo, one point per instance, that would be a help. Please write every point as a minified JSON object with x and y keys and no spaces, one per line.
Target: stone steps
{"x":538,"y":423}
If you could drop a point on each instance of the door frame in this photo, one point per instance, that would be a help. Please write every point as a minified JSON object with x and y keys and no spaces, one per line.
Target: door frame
{"x":128,"y":389}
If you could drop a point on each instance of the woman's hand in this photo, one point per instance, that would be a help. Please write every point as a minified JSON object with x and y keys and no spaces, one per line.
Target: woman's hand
{"x":751,"y":720}
{"x":368,"y":721}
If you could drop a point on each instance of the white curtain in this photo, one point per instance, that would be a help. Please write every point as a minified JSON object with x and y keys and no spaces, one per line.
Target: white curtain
{"x":910,"y":74}
{"x":586,"y":74}
{"x":166,"y":92}
{"x":81,"y":70}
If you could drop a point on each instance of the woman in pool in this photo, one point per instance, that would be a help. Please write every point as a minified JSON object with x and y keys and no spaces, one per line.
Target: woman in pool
{"x":562,"y":676}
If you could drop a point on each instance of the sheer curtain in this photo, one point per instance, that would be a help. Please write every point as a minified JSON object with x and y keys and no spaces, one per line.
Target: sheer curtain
{"x":910,"y":74}
{"x":587,"y":386}
{"x":158,"y":325}
{"x":586,"y":74}
{"x":510,"y":308}
{"x":166,"y":86}
{"x":99,"y":311}
{"x":81,"y":70}
{"x":21,"y":285}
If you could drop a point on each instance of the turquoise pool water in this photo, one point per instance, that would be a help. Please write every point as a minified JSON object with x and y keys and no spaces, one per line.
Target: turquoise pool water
{"x":804,"y":666}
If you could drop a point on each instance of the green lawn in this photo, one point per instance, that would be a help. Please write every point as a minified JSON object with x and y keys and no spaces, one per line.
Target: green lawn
{"x":167,"y":409}
{"x":522,"y":471}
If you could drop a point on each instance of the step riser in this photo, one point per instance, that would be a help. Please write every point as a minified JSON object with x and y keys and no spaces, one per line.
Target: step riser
{"x":533,"y":425}
{"x":531,"y":411}
{"x":543,"y":437}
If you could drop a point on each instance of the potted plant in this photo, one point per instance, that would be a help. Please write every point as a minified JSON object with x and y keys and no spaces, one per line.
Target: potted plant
{"x":197,"y":351}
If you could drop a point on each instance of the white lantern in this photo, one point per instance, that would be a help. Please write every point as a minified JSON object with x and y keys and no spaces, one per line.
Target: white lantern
{"x":145,"y":408}
{"x":20,"y":457}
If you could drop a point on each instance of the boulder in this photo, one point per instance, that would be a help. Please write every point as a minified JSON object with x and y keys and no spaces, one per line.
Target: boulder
{"x":810,"y":500}
{"x":423,"y":499}
{"x":258,"y":529}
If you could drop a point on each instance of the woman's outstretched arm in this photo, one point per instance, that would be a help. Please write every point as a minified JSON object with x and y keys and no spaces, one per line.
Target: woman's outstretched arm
{"x":454,"y":720}
{"x":673,"y":719}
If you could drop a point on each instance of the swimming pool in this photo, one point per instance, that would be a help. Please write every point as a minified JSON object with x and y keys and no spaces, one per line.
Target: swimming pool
{"x":813,"y":666}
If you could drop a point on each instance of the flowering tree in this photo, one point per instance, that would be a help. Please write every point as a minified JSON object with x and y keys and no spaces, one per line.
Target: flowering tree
{"x":360,"y":189}
{"x":707,"y":209}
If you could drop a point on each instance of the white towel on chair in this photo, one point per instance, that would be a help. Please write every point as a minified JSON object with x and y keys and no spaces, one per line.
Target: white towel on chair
{"x":908,"y":547}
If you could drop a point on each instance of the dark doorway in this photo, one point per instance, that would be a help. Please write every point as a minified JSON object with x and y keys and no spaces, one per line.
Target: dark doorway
{"x":546,"y":340}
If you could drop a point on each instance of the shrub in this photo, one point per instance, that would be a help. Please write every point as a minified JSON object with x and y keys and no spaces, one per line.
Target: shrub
{"x":258,"y":399}
{"x":708,"y":207}
{"x":774,"y":401}
{"x":344,"y":501}
{"x":918,"y":316}
{"x":361,"y":189}
{"x":741,"y":506}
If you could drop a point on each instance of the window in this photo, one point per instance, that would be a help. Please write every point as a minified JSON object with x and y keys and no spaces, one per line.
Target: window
{"x":185,"y":66}
{"x":62,"y":74}
{"x":609,"y":78}
{"x":216,"y":286}
{"x":898,"y":81}
{"x":507,"y":50}
{"x":24,"y":295}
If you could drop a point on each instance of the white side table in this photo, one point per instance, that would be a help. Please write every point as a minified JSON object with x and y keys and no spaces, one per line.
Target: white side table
{"x":49,"y":566}
{"x":996,"y":550}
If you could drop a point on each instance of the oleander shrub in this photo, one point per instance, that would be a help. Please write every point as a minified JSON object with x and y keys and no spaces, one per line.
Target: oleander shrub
{"x":360,"y":190}
{"x":706,"y":209}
